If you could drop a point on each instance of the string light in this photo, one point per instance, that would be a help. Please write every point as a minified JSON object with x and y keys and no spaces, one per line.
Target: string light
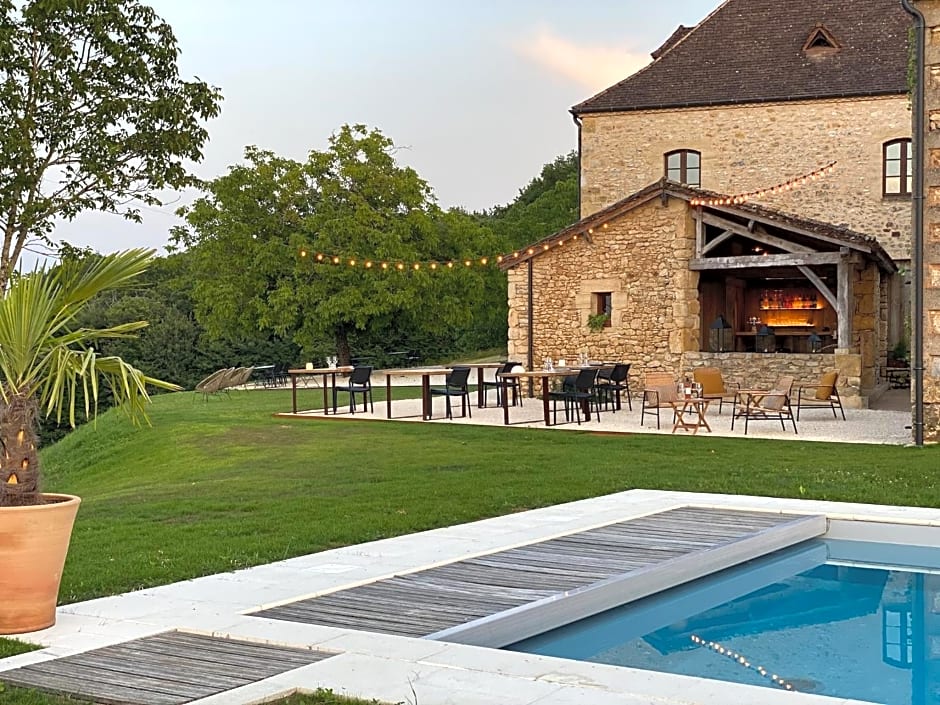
{"x":434,"y":264}
{"x":742,"y":661}
{"x":793,"y":183}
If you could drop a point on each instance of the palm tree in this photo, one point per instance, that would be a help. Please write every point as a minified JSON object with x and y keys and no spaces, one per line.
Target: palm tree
{"x":48,"y":366}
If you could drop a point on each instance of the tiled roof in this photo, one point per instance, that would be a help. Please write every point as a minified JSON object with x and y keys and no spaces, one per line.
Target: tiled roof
{"x":752,"y":51}
{"x":768,"y":216}
{"x":674,"y":38}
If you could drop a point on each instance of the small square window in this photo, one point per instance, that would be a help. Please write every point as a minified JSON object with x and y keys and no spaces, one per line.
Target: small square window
{"x":603,"y":304}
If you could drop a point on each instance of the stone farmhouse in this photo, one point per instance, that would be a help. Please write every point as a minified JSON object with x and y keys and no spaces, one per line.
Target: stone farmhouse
{"x":705,"y":201}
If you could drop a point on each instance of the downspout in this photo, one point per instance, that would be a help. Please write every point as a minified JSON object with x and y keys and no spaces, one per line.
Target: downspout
{"x":531,"y":327}
{"x":917,"y":236}
{"x":577,"y":121}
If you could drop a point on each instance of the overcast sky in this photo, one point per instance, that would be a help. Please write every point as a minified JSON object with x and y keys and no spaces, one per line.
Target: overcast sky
{"x":476,"y":91}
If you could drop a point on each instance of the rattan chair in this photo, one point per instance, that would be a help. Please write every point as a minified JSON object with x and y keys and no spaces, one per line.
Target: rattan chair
{"x":212,"y":384}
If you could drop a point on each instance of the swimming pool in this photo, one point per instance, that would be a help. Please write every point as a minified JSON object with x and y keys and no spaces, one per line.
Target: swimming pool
{"x":850,"y":619}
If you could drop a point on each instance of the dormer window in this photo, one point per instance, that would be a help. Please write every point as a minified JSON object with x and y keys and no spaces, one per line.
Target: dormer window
{"x":897,"y":170}
{"x":820,"y":42}
{"x":685,"y":167}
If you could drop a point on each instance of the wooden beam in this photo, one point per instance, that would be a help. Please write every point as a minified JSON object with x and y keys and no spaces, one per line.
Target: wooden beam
{"x":756,"y":233}
{"x":789,"y":260}
{"x":820,"y":286}
{"x":860,"y":246}
{"x":717,"y":241}
{"x":846,"y":303}
{"x":699,"y":232}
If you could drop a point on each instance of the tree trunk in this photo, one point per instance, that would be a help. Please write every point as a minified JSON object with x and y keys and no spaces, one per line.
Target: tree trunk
{"x":19,"y":460}
{"x":342,"y":346}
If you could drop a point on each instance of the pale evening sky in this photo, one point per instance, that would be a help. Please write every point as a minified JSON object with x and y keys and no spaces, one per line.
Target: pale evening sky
{"x":477,"y":93}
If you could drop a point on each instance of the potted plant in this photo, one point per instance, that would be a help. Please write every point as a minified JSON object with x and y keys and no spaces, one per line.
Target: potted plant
{"x":597,"y":321}
{"x":48,"y":364}
{"x":900,"y":354}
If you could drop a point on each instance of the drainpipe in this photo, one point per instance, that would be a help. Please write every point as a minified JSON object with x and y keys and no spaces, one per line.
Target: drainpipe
{"x":577,"y":121}
{"x":917,"y":236}
{"x":531,"y":346}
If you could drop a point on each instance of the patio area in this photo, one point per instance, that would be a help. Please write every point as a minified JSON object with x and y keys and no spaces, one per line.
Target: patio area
{"x":888,"y":422}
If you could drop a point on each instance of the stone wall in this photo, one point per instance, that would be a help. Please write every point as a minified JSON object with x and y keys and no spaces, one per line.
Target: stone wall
{"x":643,"y":261}
{"x":931,"y":323}
{"x":761,"y":370}
{"x":748,"y":147}
{"x":866,"y":291}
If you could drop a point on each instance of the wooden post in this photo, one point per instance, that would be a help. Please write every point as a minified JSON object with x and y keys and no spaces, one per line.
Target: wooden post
{"x":845,"y":301}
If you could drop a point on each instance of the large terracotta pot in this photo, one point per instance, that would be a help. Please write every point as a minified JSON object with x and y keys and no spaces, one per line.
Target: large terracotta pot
{"x":33,"y":544}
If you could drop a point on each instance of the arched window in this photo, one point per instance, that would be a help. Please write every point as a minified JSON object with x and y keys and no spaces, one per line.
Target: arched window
{"x":897,"y":168}
{"x":684,"y":166}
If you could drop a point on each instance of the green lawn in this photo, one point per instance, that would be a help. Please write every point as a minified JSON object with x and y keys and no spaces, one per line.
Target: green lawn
{"x":215,"y":486}
{"x":218,"y":485}
{"x":19,"y":696}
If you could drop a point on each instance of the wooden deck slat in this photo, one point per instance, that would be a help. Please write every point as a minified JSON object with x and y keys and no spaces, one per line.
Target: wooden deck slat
{"x":164,"y":669}
{"x":142,"y":682}
{"x":439,"y":598}
{"x":89,"y":689}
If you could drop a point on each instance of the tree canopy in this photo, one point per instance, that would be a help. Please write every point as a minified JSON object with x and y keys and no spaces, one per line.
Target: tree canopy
{"x":547,"y":204}
{"x":95,"y":115}
{"x":255,"y":236}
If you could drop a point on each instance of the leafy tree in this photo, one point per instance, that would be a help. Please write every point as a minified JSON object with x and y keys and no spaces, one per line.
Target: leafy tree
{"x":547,"y":204}
{"x":94,"y":115}
{"x":263,"y":237}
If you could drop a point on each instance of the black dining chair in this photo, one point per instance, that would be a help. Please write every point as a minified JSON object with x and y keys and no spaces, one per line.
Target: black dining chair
{"x":455,"y":385}
{"x":611,"y":382}
{"x":512,"y":385}
{"x":577,"y":390}
{"x":359,"y":383}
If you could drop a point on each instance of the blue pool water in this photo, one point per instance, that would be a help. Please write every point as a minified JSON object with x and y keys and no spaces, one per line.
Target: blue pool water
{"x":841,"y":618}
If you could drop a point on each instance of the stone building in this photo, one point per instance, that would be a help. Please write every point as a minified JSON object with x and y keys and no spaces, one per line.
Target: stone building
{"x":661,"y":265}
{"x":760,"y":93}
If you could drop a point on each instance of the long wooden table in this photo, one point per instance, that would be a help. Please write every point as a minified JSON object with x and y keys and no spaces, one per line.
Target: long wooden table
{"x":325,"y":372}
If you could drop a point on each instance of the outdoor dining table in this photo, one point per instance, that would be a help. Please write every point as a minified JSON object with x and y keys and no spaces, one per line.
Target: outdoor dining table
{"x":426,"y":373}
{"x":325,"y":372}
{"x":545,"y":376}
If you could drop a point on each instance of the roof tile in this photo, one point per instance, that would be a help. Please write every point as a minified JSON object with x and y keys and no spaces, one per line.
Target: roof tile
{"x":752,"y":51}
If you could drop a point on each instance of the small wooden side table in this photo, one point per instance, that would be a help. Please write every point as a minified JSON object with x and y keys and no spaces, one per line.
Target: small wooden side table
{"x":694,"y":409}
